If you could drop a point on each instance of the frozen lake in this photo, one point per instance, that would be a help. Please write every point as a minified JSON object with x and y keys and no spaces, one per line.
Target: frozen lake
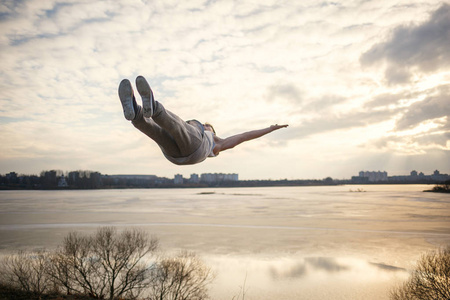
{"x":283,"y":242}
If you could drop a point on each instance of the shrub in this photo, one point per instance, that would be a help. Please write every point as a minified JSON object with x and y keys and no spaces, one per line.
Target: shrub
{"x":27,"y":272}
{"x":429,"y":280}
{"x":442,"y":188}
{"x":183,"y":277}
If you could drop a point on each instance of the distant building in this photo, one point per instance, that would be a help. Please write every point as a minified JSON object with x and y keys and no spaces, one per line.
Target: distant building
{"x":371,"y":176}
{"x":62,"y":182}
{"x":49,"y":179}
{"x":359,"y":179}
{"x":218,"y":177}
{"x":194,"y":178}
{"x":73,"y":178}
{"x":419,"y":177}
{"x":178,"y":179}
{"x":133,"y":177}
{"x":11,"y":176}
{"x":437,"y":176}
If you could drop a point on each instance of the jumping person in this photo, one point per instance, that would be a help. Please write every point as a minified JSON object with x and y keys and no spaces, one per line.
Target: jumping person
{"x":182,"y":142}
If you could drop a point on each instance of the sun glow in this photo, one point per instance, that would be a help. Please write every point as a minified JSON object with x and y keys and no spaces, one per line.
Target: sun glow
{"x":426,"y":127}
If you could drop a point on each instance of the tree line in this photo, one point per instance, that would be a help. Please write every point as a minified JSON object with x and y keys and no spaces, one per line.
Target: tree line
{"x":53,"y":179}
{"x":81,"y":179}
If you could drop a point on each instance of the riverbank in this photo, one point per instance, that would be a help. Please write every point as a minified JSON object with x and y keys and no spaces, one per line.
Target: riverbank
{"x":440,"y":188}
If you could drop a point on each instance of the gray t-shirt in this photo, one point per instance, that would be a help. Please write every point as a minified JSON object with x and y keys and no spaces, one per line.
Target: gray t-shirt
{"x":203,"y":151}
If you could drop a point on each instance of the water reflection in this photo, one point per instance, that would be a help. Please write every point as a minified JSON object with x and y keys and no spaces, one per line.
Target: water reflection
{"x":388,"y":267}
{"x":308,"y":265}
{"x":307,"y":278}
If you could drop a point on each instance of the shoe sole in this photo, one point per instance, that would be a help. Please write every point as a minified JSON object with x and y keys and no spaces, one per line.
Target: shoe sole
{"x":147,"y":96}
{"x":126,"y":97}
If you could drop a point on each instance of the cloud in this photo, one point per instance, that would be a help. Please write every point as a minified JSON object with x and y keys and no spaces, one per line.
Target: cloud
{"x":323,"y":104}
{"x":285,"y":91}
{"x":327,"y":121}
{"x":433,"y":107}
{"x":240,"y":65}
{"x":410,"y":49}
{"x":419,"y":144}
{"x":424,"y":113}
{"x":441,"y":140}
{"x":422,"y":126}
{"x":389,"y":99}
{"x":429,"y":142}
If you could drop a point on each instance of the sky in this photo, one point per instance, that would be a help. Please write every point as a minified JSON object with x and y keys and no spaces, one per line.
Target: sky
{"x":363,"y":85}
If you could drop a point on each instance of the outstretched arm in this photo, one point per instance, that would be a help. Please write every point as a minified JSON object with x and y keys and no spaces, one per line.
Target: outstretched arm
{"x":232,"y":141}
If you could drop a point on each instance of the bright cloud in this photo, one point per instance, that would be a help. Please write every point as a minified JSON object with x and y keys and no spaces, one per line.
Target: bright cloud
{"x":363,"y":85}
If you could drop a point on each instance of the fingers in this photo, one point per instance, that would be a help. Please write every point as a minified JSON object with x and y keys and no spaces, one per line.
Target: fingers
{"x":276,"y":126}
{"x":280,"y":126}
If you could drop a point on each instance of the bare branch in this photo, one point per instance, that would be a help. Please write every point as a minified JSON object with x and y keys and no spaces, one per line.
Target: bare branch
{"x":430,"y":279}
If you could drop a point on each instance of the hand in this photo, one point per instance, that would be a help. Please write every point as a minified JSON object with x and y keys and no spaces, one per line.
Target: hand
{"x":276,"y":126}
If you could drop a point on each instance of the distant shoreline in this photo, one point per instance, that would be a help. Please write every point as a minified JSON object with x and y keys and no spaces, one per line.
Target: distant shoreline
{"x":442,"y":192}
{"x":238,"y":184}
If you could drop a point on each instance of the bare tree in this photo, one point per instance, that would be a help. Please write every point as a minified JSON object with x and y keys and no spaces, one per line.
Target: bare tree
{"x":107,"y":264}
{"x":27,"y":271}
{"x":121,"y":259}
{"x":74,"y":266}
{"x":180,"y":278}
{"x":430,"y":279}
{"x":61,"y":273}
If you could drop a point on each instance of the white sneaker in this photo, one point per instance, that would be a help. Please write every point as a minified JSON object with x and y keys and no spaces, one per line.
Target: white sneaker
{"x":126,"y":97}
{"x":148,"y":102}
